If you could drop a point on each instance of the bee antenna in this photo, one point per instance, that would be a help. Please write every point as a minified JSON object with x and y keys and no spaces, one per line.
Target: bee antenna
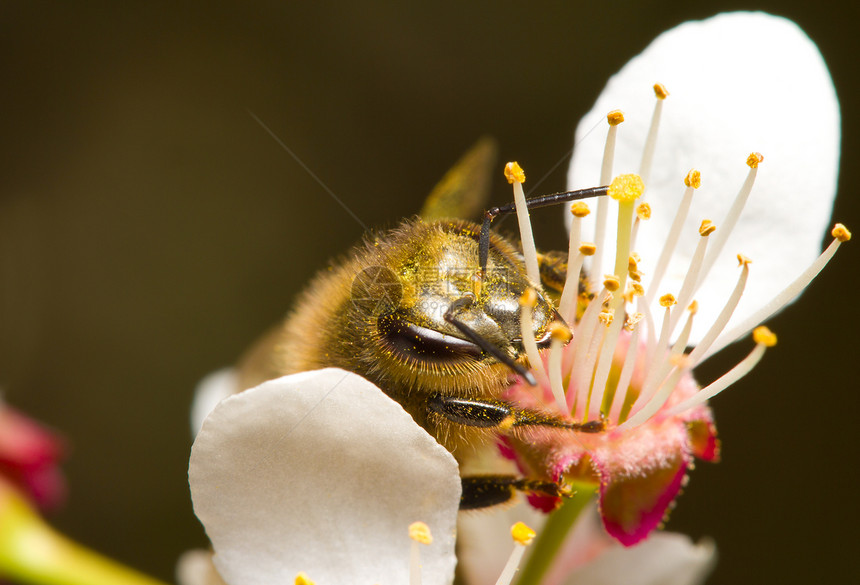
{"x":486,"y":346}
{"x":536,"y":203}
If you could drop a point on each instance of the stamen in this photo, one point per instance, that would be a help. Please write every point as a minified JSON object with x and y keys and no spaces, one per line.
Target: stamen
{"x":731,"y":219}
{"x":693,"y":181}
{"x":840,"y":234}
{"x":688,"y":287}
{"x":515,"y":175}
{"x":561,"y":336}
{"x":523,"y":536}
{"x":614,"y":118}
{"x":528,"y":302}
{"x":764,"y":339}
{"x":626,"y":375}
{"x":612,"y":283}
{"x":724,"y":316}
{"x":303,"y":579}
{"x":651,"y":141}
{"x":585,"y":334}
{"x":654,"y":357}
{"x":419,"y":532}
{"x":567,"y":304}
{"x":587,"y":249}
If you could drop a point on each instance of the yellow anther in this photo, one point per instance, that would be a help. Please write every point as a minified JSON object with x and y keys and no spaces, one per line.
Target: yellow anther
{"x":606,"y":317}
{"x":668,"y":300}
{"x":633,"y":262}
{"x":635,"y":275}
{"x":560,"y":332}
{"x":637,"y":289}
{"x":615,"y":117}
{"x":632,"y":321}
{"x":522,"y":534}
{"x":841,"y":233}
{"x":303,"y":579}
{"x":764,"y":336}
{"x":611,"y":282}
{"x":420,"y":532}
{"x":626,"y":188}
{"x":643,"y":211}
{"x":660,"y":91}
{"x":514,"y":172}
{"x":743,"y":260}
{"x":754,"y":159}
{"x":694,"y":307}
{"x":587,"y":249}
{"x":579,"y":209}
{"x":693,"y":179}
{"x":529,"y":298}
{"x":707,"y":228}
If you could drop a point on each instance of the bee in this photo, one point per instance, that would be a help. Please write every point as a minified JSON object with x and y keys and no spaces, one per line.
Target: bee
{"x":429,"y":312}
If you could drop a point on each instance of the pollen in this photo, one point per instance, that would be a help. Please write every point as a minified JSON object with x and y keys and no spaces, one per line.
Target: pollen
{"x":764,"y":336}
{"x":660,"y":91}
{"x":693,"y":179}
{"x":707,"y":228}
{"x":743,"y":260}
{"x":587,"y":249}
{"x":667,"y":300}
{"x":507,"y":423}
{"x":754,"y":159}
{"x":606,"y":317}
{"x":579,"y":209}
{"x":420,"y":532}
{"x":694,"y":307}
{"x":643,"y":211}
{"x":626,"y":188}
{"x":529,"y":298}
{"x":615,"y":117}
{"x":514,"y":172}
{"x":611,"y":282}
{"x":303,"y":579}
{"x":522,"y":534}
{"x":633,"y":320}
{"x":560,"y":332}
{"x":637,"y":290}
{"x":633,"y":263}
{"x":841,"y":233}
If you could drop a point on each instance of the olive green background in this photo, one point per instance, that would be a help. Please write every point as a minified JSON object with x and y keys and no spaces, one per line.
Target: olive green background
{"x":150,"y":230}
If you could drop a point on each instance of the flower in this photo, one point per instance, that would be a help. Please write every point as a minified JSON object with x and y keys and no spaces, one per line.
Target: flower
{"x":297,"y":475}
{"x":678,"y":280}
{"x":29,"y":456}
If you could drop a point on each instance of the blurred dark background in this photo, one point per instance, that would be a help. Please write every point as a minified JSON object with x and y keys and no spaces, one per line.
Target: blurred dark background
{"x":150,"y":230}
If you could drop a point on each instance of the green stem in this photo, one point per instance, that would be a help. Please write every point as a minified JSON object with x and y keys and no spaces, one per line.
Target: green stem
{"x":550,"y":539}
{"x":32,"y":552}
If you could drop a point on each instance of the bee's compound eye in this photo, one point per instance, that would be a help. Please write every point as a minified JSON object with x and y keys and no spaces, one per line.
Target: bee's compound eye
{"x":416,"y":342}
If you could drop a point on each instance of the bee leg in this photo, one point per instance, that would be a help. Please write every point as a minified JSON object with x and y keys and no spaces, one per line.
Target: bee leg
{"x":484,"y":491}
{"x":501,"y":415}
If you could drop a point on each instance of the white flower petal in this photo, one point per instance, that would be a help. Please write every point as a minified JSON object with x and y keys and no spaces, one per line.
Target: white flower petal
{"x":209,"y":392}
{"x":663,"y":559}
{"x":738,"y":83}
{"x":321,"y":472}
